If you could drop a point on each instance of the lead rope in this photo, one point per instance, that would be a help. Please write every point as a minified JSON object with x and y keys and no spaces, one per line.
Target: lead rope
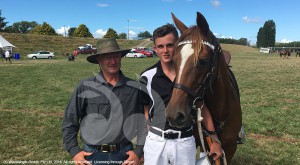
{"x":199,"y":120}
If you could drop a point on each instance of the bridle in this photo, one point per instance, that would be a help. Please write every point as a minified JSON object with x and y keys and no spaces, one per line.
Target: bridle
{"x":199,"y":94}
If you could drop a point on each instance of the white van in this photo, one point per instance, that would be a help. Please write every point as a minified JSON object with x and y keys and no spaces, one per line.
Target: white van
{"x":264,"y":50}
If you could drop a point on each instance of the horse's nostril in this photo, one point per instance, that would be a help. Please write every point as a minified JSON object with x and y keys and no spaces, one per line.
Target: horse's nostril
{"x":179,"y":119}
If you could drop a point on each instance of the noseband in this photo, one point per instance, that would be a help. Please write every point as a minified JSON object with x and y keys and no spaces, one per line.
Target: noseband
{"x":200,"y":92}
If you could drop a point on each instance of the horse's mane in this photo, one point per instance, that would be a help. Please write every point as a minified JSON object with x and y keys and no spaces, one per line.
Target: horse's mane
{"x":194,"y":34}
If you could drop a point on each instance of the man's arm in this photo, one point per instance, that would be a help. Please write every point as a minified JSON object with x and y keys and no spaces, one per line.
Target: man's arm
{"x":215,"y":147}
{"x":71,"y":124}
{"x":142,"y":130}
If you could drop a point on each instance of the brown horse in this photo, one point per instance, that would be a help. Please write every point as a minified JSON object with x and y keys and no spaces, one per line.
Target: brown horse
{"x":202,"y":74}
{"x":285,"y":53}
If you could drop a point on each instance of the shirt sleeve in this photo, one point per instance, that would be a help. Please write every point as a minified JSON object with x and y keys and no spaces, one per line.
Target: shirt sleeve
{"x":144,"y":94}
{"x":142,"y":130}
{"x":71,"y":122}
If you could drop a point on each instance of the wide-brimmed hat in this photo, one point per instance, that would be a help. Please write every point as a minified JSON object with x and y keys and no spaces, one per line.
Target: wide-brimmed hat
{"x":106,"y":46}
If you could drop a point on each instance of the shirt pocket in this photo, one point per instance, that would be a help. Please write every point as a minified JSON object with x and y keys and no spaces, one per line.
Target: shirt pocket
{"x":100,"y":106}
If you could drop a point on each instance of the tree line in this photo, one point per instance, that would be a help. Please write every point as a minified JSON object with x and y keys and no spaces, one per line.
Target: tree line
{"x":265,"y":36}
{"x":26,"y":27}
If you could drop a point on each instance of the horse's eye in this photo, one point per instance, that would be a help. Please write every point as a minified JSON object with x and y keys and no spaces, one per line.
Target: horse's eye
{"x":202,"y":62}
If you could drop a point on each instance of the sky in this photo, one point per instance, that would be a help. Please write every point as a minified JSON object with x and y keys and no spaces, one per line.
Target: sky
{"x":226,"y":18}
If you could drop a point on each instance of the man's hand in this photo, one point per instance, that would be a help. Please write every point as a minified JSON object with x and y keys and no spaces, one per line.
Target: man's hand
{"x":133,"y":159}
{"x":80,"y":160}
{"x":215,"y":149}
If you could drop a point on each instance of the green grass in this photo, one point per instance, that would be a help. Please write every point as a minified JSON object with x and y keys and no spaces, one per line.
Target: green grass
{"x":34,"y":94}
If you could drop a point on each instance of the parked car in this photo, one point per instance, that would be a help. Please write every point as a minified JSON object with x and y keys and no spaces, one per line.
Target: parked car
{"x":86,"y":50}
{"x":154,"y":54}
{"x":135,"y":54}
{"x":145,"y":52}
{"x":41,"y":54}
{"x":85,"y":46}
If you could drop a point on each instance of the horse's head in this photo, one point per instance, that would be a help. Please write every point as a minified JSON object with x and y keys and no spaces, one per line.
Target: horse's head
{"x":197,"y":53}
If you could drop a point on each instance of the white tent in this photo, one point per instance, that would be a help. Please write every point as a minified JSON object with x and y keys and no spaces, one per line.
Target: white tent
{"x":5,"y":45}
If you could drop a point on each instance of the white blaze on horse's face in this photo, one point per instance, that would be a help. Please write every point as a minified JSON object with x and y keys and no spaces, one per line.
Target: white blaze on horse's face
{"x":186,"y":52}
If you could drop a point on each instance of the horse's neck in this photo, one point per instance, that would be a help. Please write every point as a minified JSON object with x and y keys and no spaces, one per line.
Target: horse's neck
{"x":220,"y":91}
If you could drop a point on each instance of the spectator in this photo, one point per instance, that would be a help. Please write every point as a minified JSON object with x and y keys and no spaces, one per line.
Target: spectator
{"x":75,"y":53}
{"x":7,"y":56}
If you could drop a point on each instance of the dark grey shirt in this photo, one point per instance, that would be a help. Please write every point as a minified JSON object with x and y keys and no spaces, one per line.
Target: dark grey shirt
{"x":104,"y":114}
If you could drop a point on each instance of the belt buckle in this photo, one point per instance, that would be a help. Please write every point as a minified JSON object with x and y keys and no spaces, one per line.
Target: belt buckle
{"x":105,"y":148}
{"x":171,"y":131}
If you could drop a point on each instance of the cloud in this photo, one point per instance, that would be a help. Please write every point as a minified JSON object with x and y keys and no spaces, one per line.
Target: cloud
{"x":99,"y":33}
{"x":286,"y":41}
{"x":132,"y":34}
{"x":250,"y":20}
{"x":63,"y":30}
{"x":215,"y":3}
{"x":102,"y":5}
{"x":222,"y":36}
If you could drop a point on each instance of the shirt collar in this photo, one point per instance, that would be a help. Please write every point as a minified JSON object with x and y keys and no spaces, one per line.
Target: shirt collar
{"x":102,"y":81}
{"x":160,"y":72}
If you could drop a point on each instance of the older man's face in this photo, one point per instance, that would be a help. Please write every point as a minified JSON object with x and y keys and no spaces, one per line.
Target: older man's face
{"x":110,"y":63}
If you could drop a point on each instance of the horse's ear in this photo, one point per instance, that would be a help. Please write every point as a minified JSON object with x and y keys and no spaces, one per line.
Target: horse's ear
{"x":202,"y":23}
{"x":181,"y":26}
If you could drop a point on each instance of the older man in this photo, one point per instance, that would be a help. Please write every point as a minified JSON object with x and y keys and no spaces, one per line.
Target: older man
{"x":107,"y":111}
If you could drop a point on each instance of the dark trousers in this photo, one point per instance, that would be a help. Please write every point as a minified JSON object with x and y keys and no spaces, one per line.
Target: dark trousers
{"x":104,"y":158}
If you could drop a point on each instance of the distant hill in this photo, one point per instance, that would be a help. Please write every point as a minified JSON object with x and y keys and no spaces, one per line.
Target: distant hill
{"x":233,"y":49}
{"x":28,"y":43}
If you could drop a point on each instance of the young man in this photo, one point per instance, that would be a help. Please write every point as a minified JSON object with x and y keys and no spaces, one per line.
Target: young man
{"x":108,"y":112}
{"x":162,"y":145}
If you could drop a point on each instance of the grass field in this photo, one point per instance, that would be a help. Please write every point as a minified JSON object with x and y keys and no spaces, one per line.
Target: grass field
{"x":34,"y":94}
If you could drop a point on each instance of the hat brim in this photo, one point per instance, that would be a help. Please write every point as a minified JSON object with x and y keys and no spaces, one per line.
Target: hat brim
{"x":93,"y":58}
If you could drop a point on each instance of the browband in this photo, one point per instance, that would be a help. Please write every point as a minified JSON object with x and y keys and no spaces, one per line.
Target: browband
{"x":204,"y":42}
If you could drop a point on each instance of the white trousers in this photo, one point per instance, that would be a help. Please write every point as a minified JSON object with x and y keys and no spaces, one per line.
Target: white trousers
{"x":159,"y":151}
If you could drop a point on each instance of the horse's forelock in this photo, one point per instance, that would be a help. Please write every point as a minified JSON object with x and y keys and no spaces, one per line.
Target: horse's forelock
{"x":194,"y":34}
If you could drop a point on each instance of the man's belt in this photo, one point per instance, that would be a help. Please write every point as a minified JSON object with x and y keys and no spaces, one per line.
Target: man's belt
{"x":172,"y":134}
{"x":110,"y":147}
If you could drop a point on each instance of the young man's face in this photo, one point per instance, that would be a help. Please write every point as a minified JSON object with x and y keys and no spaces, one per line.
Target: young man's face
{"x":164,"y":47}
{"x":110,"y":63}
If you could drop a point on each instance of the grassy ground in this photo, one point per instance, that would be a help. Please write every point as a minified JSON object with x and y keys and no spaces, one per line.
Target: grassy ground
{"x":34,"y":94}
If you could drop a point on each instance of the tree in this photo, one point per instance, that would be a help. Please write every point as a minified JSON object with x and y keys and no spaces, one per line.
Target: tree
{"x":122,"y":36}
{"x":23,"y":26}
{"x":71,"y":31}
{"x":2,"y":23}
{"x":267,"y":34}
{"x":145,"y":34}
{"x":270,"y":29}
{"x":44,"y":29}
{"x":260,"y":38}
{"x":111,"y":33}
{"x":82,"y":31}
{"x":243,"y":41}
